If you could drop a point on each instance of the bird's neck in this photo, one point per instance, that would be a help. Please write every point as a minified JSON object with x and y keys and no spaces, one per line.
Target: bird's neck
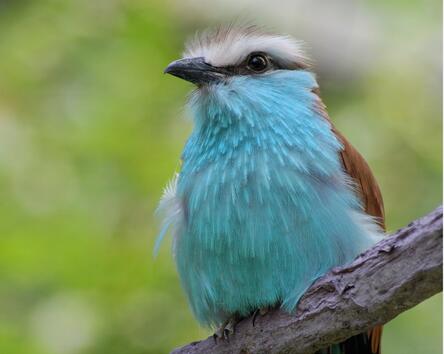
{"x":272,"y":115}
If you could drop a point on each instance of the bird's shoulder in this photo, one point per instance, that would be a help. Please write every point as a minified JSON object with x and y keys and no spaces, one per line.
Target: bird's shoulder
{"x":358,"y":170}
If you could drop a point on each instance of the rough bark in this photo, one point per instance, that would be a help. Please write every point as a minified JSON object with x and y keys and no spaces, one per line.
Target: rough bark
{"x":396,"y":274}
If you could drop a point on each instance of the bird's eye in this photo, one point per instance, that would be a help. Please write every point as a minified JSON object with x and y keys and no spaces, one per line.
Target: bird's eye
{"x":257,"y":63}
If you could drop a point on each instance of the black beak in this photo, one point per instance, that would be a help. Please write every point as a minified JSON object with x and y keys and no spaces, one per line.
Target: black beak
{"x":195,"y":70}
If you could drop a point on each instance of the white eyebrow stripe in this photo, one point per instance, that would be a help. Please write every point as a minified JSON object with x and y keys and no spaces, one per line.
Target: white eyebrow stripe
{"x":231,"y":47}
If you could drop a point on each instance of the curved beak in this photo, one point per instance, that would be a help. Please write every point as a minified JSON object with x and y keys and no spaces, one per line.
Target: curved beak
{"x":195,"y":70}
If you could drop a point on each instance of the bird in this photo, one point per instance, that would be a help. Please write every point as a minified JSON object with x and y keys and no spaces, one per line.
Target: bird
{"x":270,"y":195}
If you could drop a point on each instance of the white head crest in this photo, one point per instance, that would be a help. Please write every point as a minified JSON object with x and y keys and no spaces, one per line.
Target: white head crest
{"x":230,"y":45}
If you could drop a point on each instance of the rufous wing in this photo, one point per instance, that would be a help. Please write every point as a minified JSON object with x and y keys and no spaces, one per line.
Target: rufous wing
{"x":359,"y":171}
{"x":367,"y":188}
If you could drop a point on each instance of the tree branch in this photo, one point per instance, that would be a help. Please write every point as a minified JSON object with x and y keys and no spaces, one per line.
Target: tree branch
{"x":396,"y":274}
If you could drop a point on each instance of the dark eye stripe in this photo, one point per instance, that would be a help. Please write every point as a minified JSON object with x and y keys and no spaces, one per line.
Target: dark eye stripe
{"x":272,"y":64}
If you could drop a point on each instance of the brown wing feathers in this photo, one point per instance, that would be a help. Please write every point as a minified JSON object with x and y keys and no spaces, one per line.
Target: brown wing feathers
{"x":368,"y":189}
{"x":359,"y":171}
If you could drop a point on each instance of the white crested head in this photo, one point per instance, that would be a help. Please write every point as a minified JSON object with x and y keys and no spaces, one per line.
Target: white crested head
{"x":230,"y":46}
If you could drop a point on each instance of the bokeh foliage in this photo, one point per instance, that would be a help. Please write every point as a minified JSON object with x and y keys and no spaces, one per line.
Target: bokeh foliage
{"x":90,"y":131}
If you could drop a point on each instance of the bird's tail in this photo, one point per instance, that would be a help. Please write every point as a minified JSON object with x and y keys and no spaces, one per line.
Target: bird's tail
{"x":363,"y":343}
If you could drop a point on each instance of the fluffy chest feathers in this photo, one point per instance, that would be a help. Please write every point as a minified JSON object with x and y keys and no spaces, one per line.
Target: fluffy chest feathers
{"x":262,"y":205}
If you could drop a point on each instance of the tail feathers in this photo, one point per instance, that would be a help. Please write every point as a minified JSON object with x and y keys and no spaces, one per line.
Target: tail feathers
{"x":360,"y":344}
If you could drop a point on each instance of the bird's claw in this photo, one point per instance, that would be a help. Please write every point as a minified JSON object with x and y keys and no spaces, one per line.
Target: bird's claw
{"x":260,"y":311}
{"x":226,"y":329}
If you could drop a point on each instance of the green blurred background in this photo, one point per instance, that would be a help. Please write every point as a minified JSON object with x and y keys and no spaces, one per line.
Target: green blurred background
{"x":91,"y":130}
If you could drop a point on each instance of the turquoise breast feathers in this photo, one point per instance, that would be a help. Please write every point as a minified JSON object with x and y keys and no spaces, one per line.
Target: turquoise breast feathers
{"x":262,"y":206}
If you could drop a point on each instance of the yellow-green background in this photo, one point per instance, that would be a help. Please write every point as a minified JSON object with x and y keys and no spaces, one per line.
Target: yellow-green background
{"x":91,"y":130}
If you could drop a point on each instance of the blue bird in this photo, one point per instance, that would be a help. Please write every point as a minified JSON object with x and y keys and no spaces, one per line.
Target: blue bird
{"x":270,"y":195}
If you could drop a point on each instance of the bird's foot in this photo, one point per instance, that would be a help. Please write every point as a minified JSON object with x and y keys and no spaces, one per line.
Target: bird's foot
{"x":226,"y":329}
{"x":260,"y":311}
